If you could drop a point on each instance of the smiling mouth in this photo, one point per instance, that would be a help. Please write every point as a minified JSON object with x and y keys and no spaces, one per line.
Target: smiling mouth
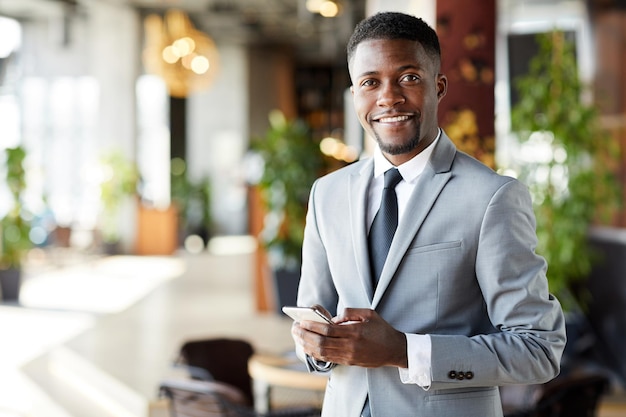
{"x":394,"y":119}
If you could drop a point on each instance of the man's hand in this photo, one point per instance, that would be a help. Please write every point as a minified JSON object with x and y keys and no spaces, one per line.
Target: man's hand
{"x":359,"y":337}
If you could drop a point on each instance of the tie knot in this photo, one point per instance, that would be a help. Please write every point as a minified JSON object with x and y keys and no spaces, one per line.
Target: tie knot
{"x":392,"y":178}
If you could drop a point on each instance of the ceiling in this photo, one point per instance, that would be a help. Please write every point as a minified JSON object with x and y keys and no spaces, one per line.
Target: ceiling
{"x":250,"y":22}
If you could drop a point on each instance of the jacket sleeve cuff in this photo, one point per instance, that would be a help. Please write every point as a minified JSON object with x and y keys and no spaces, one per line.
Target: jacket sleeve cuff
{"x":313,"y":365}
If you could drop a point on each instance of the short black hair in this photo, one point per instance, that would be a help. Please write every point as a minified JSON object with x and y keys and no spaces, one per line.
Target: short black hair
{"x":394,"y":25}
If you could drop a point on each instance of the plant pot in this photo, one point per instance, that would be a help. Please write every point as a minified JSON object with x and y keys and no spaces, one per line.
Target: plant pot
{"x":606,"y":289}
{"x":10,"y":284}
{"x":112,"y":248}
{"x":63,"y":236}
{"x":286,"y":287}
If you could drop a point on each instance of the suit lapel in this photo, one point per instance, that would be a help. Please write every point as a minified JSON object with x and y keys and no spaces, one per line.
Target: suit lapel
{"x":430,"y":183}
{"x":359,"y":183}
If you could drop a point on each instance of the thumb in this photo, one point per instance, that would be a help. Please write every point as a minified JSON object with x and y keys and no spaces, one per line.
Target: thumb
{"x":354,"y":315}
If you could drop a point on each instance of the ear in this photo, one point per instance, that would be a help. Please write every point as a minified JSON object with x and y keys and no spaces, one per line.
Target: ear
{"x":442,"y":86}
{"x":352,"y":89}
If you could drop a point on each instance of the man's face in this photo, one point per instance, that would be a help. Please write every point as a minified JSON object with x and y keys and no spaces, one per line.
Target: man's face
{"x":396,"y":91}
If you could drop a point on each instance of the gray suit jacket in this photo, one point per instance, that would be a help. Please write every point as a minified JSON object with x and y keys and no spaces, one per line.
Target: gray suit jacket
{"x":461,"y":268}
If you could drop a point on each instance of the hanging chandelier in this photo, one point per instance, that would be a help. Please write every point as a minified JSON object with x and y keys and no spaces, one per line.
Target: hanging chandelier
{"x":175,"y":50}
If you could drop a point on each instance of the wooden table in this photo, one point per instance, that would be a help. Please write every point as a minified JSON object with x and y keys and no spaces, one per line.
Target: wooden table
{"x":280,"y":371}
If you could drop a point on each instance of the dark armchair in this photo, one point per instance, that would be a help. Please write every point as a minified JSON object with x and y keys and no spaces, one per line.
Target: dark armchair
{"x":193,"y":398}
{"x":571,"y":395}
{"x":219,"y":384}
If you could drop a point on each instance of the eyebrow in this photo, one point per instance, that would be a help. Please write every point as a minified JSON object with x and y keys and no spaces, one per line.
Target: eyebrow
{"x":399,"y":69}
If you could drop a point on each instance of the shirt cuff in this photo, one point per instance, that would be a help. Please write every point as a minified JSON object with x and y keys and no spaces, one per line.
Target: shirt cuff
{"x":419,"y":349}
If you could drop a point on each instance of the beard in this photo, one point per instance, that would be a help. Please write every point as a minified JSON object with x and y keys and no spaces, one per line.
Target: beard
{"x":398,"y":149}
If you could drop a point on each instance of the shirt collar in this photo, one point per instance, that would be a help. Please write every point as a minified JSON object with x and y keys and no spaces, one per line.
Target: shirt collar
{"x":409,"y":170}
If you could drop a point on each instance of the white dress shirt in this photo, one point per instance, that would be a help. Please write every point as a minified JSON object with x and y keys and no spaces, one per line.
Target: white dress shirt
{"x":418,"y":346}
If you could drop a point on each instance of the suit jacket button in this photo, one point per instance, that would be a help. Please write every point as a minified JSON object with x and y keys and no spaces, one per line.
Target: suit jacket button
{"x":452,"y":375}
{"x":469,"y":374}
{"x":460,"y":376}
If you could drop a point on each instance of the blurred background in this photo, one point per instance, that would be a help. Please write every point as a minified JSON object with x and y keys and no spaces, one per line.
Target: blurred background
{"x":158,"y":153}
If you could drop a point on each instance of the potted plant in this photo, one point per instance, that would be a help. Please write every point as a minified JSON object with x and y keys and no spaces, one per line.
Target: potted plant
{"x":292,"y":162}
{"x":192,"y":200}
{"x":14,"y":226}
{"x":571,"y":172}
{"x":119,"y":182}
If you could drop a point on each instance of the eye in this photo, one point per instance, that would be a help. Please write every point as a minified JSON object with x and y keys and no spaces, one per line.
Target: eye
{"x":410,"y":78}
{"x":368,"y":83}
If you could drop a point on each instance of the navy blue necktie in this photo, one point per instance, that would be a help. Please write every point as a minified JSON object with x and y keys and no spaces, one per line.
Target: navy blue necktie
{"x":384,"y":224}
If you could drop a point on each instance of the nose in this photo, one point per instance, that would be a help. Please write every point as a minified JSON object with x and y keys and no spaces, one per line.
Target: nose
{"x":390,"y":95}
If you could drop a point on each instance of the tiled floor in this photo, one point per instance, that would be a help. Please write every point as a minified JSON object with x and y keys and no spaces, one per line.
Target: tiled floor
{"x":95,"y":336}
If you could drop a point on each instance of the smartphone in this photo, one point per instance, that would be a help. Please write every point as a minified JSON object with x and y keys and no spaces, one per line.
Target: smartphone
{"x":306,"y":313}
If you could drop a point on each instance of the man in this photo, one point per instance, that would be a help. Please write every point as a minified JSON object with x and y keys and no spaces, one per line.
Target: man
{"x":461,"y":305}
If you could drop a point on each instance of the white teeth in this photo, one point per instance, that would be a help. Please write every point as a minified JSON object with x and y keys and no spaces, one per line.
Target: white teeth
{"x":393,"y":119}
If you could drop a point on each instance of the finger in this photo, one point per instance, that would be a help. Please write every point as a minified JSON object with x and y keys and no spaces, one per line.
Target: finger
{"x":317,"y":327}
{"x":322,"y":310}
{"x":296,"y":333}
{"x":355,"y":314}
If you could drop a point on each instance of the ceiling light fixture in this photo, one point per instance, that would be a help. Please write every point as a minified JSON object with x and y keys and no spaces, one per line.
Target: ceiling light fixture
{"x":175,"y":50}
{"x":326,"y":8}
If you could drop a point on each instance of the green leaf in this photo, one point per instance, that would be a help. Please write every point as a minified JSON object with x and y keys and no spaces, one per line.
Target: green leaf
{"x":551,"y":101}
